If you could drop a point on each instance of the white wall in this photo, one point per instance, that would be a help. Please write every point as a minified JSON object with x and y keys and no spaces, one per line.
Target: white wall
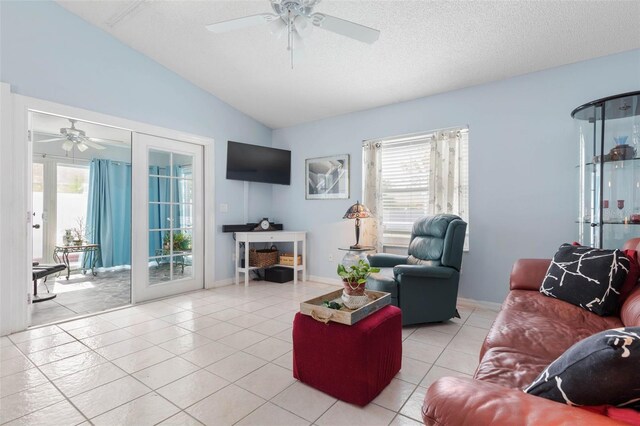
{"x":523,"y":152}
{"x":50,"y":53}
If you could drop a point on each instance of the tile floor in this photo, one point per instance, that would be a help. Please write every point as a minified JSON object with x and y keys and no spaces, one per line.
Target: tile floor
{"x":215,"y":357}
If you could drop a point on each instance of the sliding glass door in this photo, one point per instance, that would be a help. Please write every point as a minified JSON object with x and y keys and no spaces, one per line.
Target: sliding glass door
{"x":168,"y":248}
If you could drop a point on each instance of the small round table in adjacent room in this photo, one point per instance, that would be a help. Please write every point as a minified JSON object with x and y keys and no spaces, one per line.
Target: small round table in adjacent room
{"x":354,"y":255}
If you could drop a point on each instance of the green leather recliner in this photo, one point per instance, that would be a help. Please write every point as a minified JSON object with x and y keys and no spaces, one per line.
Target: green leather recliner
{"x":424,"y":284}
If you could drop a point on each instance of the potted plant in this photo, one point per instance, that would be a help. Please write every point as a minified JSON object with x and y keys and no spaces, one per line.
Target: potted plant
{"x":181,"y":241}
{"x":79,"y":232}
{"x":354,"y":280}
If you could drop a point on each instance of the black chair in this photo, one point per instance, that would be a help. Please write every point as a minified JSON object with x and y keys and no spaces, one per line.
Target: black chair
{"x":40,"y":272}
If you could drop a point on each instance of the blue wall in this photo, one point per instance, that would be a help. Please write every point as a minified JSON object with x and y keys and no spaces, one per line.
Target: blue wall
{"x":522,"y":148}
{"x":52,"y":54}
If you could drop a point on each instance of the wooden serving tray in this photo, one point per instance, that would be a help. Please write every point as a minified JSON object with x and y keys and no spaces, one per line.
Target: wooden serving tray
{"x":313,"y":307}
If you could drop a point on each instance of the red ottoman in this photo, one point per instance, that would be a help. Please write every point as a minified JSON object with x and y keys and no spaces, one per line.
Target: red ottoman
{"x":353,"y":363}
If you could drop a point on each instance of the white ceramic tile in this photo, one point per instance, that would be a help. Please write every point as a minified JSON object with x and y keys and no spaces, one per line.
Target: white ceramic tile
{"x":270,"y":327}
{"x":395,"y":395}
{"x":165,"y":334}
{"x":131,"y":320}
{"x":180,"y":317}
{"x":225,"y":407}
{"x":160,"y":309}
{"x":270,"y":414}
{"x":109,"y":396}
{"x":271,"y":312}
{"x":479,"y":321}
{"x":412,"y":370}
{"x":401,"y":420}
{"x":267,"y":381}
{"x":185,"y":344}
{"x":35,"y":345}
{"x":28,"y":401}
{"x":236,"y":366}
{"x":123,"y":348}
{"x":5,"y":341}
{"x":180,"y":419}
{"x":437,"y":372}
{"x":193,"y":388}
{"x":35,"y":333}
{"x":413,"y":407}
{"x":246,"y":320}
{"x":61,"y":413}
{"x":8,"y":352}
{"x":146,"y":327}
{"x":20,"y":381}
{"x":208,"y":309}
{"x":147,"y":410}
{"x":285,"y":361}
{"x":250,"y":306}
{"x":342,"y":413}
{"x":92,"y":330}
{"x":71,"y":365}
{"x":446,"y":327}
{"x":285,"y":335}
{"x":420,"y":351}
{"x":431,"y":337}
{"x":143,"y":359}
{"x":218,"y":331}
{"x":226,"y":314}
{"x":458,"y":361}
{"x":57,"y":353}
{"x":81,"y":323}
{"x":269,"y":349}
{"x":165,"y":372}
{"x":472,"y":333}
{"x":107,"y":339}
{"x":462,"y":344}
{"x":90,"y":378}
{"x":304,"y":401}
{"x":205,"y":355}
{"x":242,"y":339}
{"x":198,"y":323}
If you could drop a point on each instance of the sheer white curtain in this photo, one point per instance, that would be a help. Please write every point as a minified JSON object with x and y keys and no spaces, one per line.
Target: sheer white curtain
{"x":423,"y":174}
{"x":372,"y":194}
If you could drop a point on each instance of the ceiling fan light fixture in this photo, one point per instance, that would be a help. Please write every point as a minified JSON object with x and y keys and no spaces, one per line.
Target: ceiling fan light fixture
{"x":278,"y":28}
{"x":303,"y":26}
{"x":82,"y":147}
{"x":67,"y":145}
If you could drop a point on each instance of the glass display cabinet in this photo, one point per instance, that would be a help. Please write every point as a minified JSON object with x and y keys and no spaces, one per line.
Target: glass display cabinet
{"x":609,"y":170}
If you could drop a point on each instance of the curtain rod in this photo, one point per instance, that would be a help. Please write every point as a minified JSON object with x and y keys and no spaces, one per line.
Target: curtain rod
{"x":72,"y":159}
{"x":414,"y":136}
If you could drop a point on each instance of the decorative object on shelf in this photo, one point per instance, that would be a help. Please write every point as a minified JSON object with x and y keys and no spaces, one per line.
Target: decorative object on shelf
{"x":287,"y":259}
{"x":354,"y":255}
{"x":78,"y":232}
{"x":67,"y":238}
{"x":263,"y":258}
{"x":354,"y":280}
{"x":327,"y":177}
{"x":607,"y":130}
{"x":264,"y":225}
{"x":296,"y":19}
{"x":357,"y":211}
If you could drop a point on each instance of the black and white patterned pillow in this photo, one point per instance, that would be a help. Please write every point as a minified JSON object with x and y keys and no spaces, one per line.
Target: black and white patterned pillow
{"x":587,"y":277}
{"x":599,"y":370}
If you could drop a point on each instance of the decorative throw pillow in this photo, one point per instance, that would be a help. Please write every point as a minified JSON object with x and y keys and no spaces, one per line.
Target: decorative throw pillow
{"x":587,"y":277}
{"x":599,"y":370}
{"x":632,"y":277}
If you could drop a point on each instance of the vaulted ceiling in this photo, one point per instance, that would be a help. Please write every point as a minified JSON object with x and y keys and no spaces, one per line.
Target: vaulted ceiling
{"x":425,"y":48}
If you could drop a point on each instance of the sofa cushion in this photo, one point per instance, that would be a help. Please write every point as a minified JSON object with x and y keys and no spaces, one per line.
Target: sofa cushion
{"x":587,"y":277}
{"x":511,"y":367}
{"x":631,"y":282}
{"x":601,"y":369}
{"x":542,"y":326}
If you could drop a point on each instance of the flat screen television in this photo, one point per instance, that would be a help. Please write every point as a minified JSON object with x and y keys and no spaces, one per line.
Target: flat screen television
{"x":256,"y":163}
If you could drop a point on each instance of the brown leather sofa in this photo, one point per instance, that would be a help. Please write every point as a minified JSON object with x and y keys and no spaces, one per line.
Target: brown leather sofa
{"x":530,"y":331}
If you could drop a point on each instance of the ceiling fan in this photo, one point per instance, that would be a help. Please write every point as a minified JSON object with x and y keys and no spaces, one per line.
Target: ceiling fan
{"x":72,"y":137}
{"x":296,"y":18}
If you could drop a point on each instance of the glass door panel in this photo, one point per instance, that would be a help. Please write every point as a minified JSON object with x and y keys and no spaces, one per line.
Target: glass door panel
{"x":173,"y":253}
{"x":38,"y":211}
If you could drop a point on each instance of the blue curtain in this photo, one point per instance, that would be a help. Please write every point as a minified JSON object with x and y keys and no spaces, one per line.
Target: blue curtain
{"x":159,"y":214}
{"x":109,"y":211}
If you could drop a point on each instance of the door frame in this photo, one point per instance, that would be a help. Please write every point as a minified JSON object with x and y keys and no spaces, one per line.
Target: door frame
{"x":15,"y":166}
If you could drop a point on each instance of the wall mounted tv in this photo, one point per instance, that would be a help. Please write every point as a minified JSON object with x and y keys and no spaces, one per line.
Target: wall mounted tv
{"x":258,"y":163}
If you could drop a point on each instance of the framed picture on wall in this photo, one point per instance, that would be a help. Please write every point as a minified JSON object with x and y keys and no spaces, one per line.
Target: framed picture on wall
{"x":327,"y":177}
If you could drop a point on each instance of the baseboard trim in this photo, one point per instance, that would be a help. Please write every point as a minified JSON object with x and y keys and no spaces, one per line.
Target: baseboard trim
{"x":489,"y":305}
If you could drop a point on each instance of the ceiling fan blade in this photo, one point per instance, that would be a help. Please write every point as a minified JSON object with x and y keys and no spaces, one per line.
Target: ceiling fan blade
{"x":52,"y":140}
{"x":239,"y":23}
{"x":88,"y":142}
{"x":345,"y":28}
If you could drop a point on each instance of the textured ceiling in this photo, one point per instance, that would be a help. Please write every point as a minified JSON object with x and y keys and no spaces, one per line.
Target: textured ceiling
{"x":425,"y":47}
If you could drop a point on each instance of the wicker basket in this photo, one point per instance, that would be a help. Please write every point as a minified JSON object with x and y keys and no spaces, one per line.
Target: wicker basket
{"x":263,"y":258}
{"x":287,"y":259}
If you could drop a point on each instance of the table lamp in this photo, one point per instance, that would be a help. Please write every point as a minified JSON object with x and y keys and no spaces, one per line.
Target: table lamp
{"x":357,"y":211}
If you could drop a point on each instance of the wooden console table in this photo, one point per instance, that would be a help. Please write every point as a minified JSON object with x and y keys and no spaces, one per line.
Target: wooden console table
{"x":271,"y":237}
{"x":61,"y":255}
